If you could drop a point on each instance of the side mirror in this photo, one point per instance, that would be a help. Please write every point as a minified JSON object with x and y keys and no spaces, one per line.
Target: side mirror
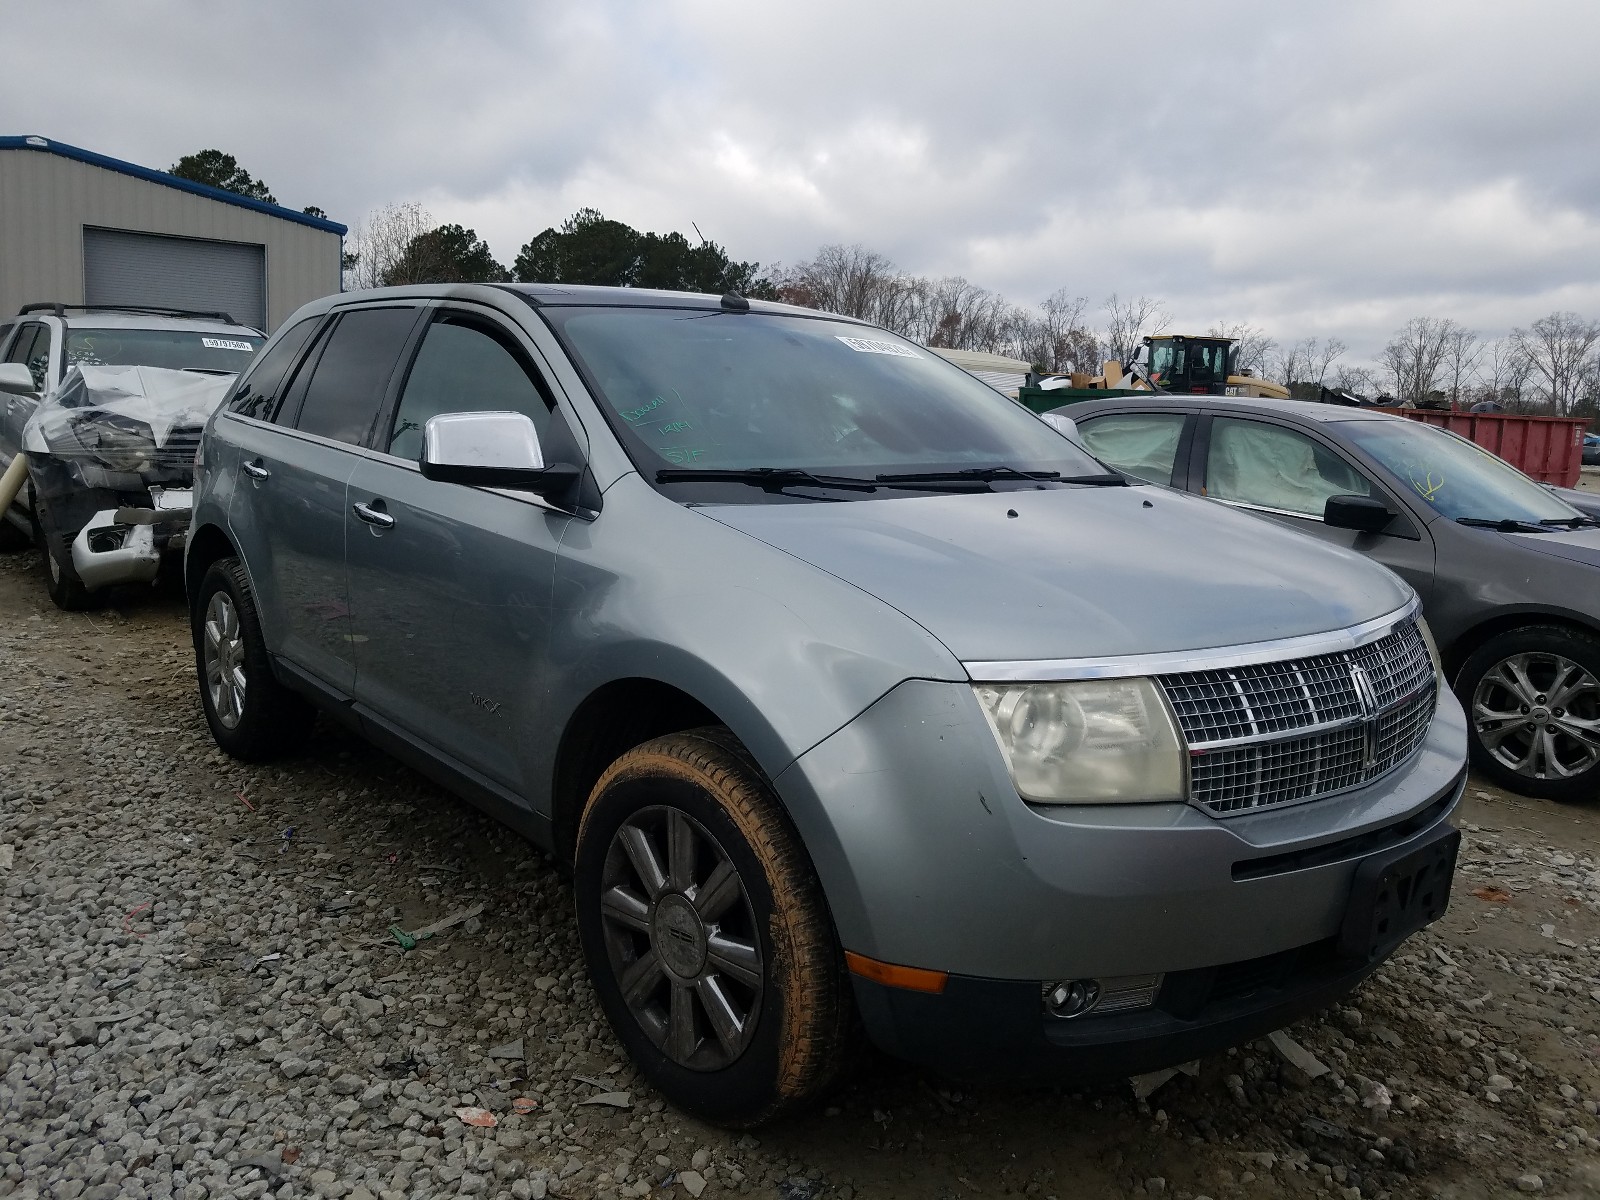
{"x":1364,"y":513}
{"x":493,"y":449}
{"x":1067,"y":428}
{"x":17,"y":379}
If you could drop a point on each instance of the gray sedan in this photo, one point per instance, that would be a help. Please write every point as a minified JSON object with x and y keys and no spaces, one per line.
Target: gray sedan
{"x":1508,"y":570}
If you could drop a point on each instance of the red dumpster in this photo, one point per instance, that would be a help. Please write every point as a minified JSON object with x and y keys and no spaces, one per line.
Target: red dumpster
{"x":1549,"y":449}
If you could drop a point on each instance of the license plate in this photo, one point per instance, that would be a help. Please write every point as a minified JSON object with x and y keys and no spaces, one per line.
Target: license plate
{"x":1398,"y":893}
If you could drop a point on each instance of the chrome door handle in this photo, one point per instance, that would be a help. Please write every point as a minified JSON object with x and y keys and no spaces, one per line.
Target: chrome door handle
{"x":255,"y":470}
{"x":373,"y":516}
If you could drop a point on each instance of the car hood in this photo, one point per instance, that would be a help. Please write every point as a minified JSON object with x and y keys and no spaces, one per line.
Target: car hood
{"x":1079,"y":572}
{"x":1578,"y":545}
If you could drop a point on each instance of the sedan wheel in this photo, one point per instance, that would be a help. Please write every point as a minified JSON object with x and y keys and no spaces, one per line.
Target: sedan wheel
{"x":680,"y":934}
{"x":1532,"y":697}
{"x":223,"y":657}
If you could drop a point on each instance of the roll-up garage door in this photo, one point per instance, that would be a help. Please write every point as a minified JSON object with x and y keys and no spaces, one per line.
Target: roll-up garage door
{"x":172,"y":272}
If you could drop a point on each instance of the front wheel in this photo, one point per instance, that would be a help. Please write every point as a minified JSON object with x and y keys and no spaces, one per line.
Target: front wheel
{"x":706,"y":934}
{"x":1532,"y":697}
{"x":67,"y":591}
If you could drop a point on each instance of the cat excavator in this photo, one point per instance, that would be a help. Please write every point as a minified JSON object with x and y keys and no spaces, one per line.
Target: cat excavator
{"x":1186,"y":365}
{"x":1177,"y":364}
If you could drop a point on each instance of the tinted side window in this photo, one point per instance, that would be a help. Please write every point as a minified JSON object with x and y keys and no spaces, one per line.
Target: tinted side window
{"x":463,"y":366}
{"x":1252,"y":462}
{"x":258,"y":392}
{"x":32,"y":349}
{"x":1145,"y":445}
{"x":352,"y":374}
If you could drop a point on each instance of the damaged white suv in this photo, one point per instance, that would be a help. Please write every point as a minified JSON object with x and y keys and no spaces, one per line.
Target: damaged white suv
{"x":108,"y":404}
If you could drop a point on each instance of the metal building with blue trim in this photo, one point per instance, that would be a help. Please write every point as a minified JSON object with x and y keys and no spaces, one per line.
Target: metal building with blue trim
{"x":82,"y":228}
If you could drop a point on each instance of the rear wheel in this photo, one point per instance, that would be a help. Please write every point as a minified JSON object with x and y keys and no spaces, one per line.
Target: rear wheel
{"x":706,"y":933}
{"x":252,"y":716}
{"x":1532,"y":697}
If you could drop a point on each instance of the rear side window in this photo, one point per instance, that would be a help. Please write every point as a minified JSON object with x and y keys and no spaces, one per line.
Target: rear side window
{"x":1145,"y":445}
{"x":463,"y":366}
{"x":257,"y":394}
{"x":352,"y":374}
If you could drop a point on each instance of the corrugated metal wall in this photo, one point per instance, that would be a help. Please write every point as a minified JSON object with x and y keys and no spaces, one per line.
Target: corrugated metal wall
{"x":46,"y":200}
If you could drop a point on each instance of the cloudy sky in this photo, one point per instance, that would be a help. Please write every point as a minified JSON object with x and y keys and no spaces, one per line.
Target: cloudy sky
{"x":1315,"y":169}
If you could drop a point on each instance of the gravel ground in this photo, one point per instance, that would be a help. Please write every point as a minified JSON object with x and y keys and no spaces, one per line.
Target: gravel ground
{"x":199,"y":997}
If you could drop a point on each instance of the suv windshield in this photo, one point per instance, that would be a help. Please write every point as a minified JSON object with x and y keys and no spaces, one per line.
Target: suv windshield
{"x":687,"y":388}
{"x":1459,"y":479}
{"x":177,"y":349}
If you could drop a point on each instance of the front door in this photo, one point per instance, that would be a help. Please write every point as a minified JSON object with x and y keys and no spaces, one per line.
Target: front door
{"x":1287,"y":475}
{"x":294,"y":468}
{"x":450,"y":585}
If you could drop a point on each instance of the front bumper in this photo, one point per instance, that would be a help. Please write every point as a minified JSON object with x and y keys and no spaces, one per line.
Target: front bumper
{"x":929,"y":859}
{"x":987,"y":1030}
{"x":126,"y":545}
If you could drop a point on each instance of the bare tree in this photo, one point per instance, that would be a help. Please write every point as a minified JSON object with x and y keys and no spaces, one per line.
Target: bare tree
{"x":1462,"y":354}
{"x":849,"y":280}
{"x":381,"y":241}
{"x":1415,"y":355}
{"x":1062,"y":336}
{"x":1254,"y":347}
{"x":1129,"y":321}
{"x":1560,"y":349}
{"x":1360,"y":381}
{"x":1323,"y":355}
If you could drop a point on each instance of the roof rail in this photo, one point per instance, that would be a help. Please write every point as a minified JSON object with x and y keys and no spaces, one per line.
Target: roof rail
{"x":60,"y":310}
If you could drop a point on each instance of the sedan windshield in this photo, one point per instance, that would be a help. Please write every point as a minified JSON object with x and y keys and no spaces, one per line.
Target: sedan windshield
{"x":176,"y":349}
{"x":714,"y":391}
{"x":1459,"y":479}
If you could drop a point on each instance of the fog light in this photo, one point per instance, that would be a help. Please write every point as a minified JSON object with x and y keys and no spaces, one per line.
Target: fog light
{"x":1123,"y":993}
{"x":1072,"y":997}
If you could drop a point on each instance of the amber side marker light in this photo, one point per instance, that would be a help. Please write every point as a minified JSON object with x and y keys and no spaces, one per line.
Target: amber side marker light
{"x":911,"y":979}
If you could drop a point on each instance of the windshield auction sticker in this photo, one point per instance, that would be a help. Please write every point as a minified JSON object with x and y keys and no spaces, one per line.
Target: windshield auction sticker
{"x":868,"y":346}
{"x":225,"y":344}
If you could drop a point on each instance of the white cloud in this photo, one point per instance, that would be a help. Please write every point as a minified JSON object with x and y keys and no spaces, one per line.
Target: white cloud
{"x":1327,"y":169}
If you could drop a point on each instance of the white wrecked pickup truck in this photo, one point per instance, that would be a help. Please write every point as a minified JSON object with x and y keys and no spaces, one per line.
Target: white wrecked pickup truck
{"x":111,"y":466}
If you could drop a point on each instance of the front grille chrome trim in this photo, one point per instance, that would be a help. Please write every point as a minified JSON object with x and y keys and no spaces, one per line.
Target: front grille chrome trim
{"x":1270,"y":735}
{"x":1049,"y":670}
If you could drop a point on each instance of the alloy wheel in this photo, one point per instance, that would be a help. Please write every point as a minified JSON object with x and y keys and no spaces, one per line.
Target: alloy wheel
{"x":222,"y":652}
{"x":681,"y":938}
{"x":1538,"y":714}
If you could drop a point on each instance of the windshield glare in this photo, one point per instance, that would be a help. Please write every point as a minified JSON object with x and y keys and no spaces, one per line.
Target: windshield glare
{"x":688,"y":388}
{"x":176,"y":349}
{"x":1453,"y":475}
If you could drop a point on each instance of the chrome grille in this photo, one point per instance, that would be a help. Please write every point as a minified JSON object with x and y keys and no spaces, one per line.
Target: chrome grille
{"x":1280,"y":732}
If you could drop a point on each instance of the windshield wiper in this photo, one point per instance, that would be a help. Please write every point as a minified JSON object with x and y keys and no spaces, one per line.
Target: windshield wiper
{"x":1504,"y":524}
{"x":1570,"y":522}
{"x":770,"y":479}
{"x":970,"y":474}
{"x":991,"y":474}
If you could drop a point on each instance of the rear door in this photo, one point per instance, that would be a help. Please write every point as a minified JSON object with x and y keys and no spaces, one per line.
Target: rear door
{"x":288,"y":506}
{"x":1286,"y":474}
{"x":450,"y":585}
{"x":1153,"y":446}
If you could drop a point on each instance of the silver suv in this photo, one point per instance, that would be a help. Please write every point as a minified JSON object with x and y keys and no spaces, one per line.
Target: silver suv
{"x":855,"y":694}
{"x":107,"y":403}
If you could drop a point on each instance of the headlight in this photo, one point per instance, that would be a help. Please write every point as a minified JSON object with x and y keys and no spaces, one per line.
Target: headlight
{"x":1093,"y":741}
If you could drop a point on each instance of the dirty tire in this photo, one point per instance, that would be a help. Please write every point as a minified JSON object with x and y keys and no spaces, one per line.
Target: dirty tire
{"x":60,"y":577}
{"x":273,"y":720}
{"x":804,"y":1022}
{"x":1538,"y":649}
